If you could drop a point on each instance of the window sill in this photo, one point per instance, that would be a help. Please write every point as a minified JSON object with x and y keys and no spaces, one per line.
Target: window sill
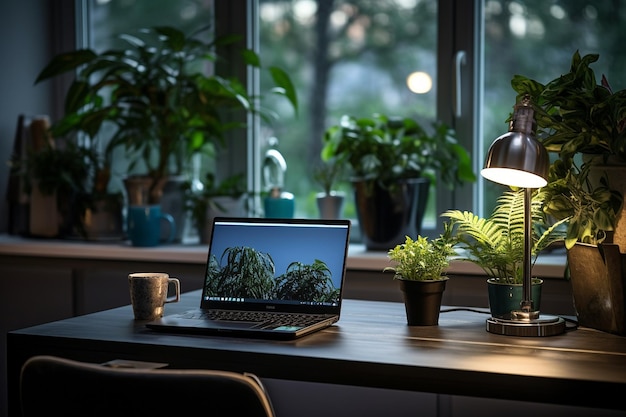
{"x":550,"y":265}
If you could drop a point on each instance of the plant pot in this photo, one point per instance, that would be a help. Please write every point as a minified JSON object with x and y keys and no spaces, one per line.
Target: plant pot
{"x":141,"y":190}
{"x":505,"y":297}
{"x":330,"y":205}
{"x":599,"y":291}
{"x":103,"y":221}
{"x":387,"y":216}
{"x":422,"y":301}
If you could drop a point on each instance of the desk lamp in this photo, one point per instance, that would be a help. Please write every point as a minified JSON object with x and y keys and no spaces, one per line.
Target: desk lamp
{"x":518,"y":159}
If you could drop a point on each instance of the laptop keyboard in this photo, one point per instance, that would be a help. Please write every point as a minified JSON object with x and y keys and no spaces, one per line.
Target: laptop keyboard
{"x":284,"y":319}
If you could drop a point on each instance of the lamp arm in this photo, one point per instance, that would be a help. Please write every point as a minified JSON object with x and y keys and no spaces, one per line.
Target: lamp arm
{"x":527,"y":302}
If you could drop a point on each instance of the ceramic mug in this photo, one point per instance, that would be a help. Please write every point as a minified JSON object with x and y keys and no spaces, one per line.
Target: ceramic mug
{"x":144,"y":225}
{"x":149,"y":293}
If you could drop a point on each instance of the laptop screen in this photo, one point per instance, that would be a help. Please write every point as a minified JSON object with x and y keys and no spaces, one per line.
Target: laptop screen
{"x":276,"y":264}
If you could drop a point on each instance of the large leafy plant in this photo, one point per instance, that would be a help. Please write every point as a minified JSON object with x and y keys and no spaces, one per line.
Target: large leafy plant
{"x":158,"y":93}
{"x":584,"y":124}
{"x":387,"y":149}
{"x":496,"y":243}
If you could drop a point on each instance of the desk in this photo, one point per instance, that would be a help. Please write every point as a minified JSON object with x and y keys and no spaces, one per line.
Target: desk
{"x":371,"y":346}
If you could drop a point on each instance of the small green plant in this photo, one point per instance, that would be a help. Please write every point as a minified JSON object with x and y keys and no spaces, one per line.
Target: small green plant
{"x":496,"y":243}
{"x":422,"y":259}
{"x":327,"y":173}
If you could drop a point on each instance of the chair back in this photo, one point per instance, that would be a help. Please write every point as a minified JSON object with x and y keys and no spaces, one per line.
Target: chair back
{"x":51,"y":385}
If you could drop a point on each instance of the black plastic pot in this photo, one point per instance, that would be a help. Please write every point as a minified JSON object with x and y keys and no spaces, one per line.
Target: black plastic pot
{"x":387,"y":216}
{"x":422,"y":301}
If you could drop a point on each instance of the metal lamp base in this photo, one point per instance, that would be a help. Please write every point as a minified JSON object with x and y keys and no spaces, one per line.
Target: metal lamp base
{"x":533,"y":327}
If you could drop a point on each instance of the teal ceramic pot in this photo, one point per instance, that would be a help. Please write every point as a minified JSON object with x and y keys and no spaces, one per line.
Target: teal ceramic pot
{"x":504,"y":298}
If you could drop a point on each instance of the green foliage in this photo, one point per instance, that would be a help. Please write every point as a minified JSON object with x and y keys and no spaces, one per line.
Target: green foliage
{"x":422,"y":259}
{"x":496,"y":243}
{"x":250,"y":273}
{"x":156,"y":93}
{"x":591,"y":210}
{"x":307,"y":282}
{"x":327,"y":173}
{"x":577,"y":116}
{"x":388,"y":149}
{"x":247,"y":273}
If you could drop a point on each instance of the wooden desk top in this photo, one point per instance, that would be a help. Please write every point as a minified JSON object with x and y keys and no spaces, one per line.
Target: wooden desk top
{"x":370,"y":346}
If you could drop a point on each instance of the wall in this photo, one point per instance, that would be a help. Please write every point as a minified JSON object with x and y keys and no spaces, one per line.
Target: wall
{"x":27,"y":42}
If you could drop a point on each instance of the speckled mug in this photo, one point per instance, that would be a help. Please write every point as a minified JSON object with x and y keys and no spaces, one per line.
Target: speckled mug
{"x":148,"y":293}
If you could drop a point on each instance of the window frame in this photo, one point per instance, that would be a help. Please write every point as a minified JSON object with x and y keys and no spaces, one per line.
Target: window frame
{"x":459,"y":29}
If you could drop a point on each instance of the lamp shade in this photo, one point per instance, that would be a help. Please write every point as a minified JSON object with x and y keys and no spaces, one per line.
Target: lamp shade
{"x":517,"y":159}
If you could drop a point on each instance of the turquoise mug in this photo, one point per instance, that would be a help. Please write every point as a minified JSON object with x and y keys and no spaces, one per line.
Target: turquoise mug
{"x":144,"y":225}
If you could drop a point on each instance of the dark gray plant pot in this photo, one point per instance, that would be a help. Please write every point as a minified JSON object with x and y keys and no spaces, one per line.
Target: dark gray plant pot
{"x":330,"y":206}
{"x":422,"y":301}
{"x":504,"y":298}
{"x":598,"y":286}
{"x":385,"y":216}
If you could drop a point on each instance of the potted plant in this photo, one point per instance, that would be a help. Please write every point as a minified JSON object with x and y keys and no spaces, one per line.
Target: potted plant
{"x":583,"y":123}
{"x":156,"y":95}
{"x":213,"y":199}
{"x":496,"y":244}
{"x":330,"y":201}
{"x":420,"y":266}
{"x":393,"y":161}
{"x":70,"y":178}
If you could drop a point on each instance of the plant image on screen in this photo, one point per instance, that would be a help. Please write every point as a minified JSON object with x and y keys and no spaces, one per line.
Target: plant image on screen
{"x":248,"y":273}
{"x":307,"y":282}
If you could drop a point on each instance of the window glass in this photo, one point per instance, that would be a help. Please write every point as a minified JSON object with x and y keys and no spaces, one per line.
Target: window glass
{"x":537,"y":39}
{"x":370,"y":48}
{"x":346,"y":58}
{"x":105,"y":20}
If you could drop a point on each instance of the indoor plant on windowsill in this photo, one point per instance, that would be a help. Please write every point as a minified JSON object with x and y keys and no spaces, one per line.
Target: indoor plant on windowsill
{"x":420,"y":266}
{"x":330,"y":201}
{"x":496,"y":244}
{"x":392,"y":163}
{"x":584,"y":124}
{"x":161,"y":100}
{"x":226,"y":198}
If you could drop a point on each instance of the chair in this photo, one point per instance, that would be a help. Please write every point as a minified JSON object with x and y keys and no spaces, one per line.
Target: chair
{"x":51,"y":385}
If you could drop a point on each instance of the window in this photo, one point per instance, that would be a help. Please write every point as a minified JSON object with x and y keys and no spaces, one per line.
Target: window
{"x":470,"y":50}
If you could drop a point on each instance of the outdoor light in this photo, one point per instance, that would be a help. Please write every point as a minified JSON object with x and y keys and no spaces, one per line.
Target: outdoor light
{"x":518,"y":159}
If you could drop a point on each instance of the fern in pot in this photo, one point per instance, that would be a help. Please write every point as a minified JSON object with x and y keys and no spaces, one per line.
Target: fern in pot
{"x":496,"y":245}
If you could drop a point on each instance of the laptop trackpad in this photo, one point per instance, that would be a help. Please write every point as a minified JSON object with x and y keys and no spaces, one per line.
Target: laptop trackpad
{"x":231,"y":324}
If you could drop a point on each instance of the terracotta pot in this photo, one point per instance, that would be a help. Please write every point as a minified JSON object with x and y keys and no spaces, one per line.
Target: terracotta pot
{"x":422,"y":301}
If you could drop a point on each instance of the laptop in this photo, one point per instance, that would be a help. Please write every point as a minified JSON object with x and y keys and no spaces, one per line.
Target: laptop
{"x":269,"y":278}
